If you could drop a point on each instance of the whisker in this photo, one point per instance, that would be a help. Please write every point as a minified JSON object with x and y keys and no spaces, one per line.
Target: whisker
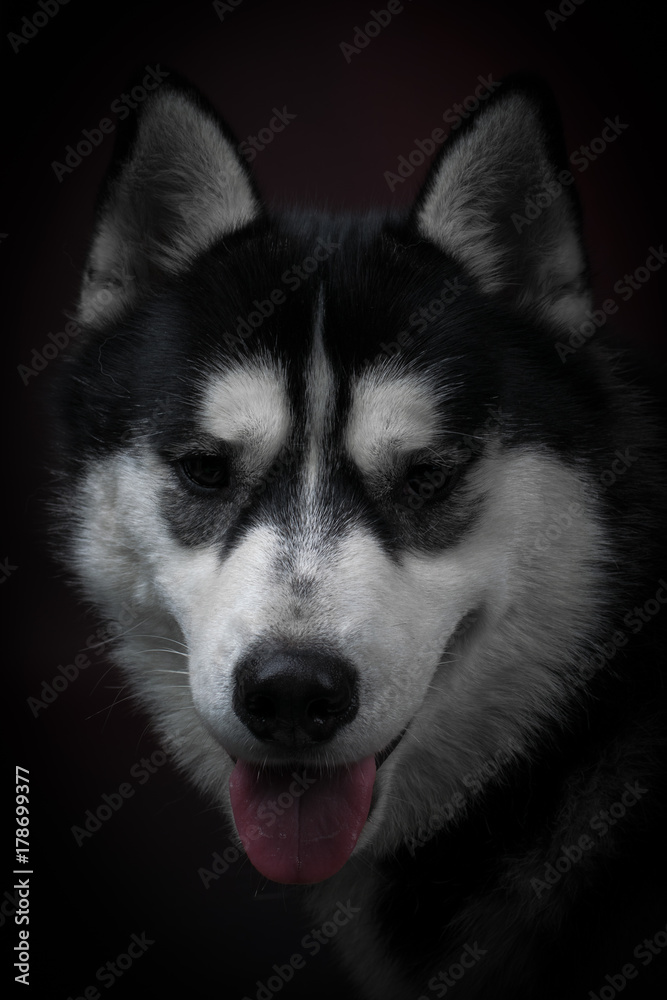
{"x":176,"y":652}
{"x":100,"y":679}
{"x":116,"y":701}
{"x":114,"y":637}
{"x":165,"y":638}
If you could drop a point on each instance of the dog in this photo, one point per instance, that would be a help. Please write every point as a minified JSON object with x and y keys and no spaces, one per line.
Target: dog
{"x":388,"y":514}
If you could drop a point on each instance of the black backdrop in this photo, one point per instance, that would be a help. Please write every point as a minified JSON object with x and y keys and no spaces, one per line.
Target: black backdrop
{"x":354,"y":117}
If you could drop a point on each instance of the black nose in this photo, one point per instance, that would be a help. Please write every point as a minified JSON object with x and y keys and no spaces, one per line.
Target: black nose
{"x":295,"y":696}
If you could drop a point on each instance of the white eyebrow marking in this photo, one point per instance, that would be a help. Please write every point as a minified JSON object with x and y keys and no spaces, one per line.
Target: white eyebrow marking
{"x":249,"y":405}
{"x":390,"y":414}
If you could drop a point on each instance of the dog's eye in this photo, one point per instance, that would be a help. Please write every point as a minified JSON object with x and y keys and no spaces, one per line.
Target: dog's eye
{"x":423,"y":483}
{"x":211,"y":472}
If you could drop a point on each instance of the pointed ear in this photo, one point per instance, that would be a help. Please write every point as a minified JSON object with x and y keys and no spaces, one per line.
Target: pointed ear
{"x":501,"y":200}
{"x":177,"y":184}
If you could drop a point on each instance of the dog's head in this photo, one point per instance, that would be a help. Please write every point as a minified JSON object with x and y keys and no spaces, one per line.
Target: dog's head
{"x":317,"y":477}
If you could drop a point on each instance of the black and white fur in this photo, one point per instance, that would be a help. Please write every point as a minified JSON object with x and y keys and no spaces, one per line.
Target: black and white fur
{"x":467,"y":633}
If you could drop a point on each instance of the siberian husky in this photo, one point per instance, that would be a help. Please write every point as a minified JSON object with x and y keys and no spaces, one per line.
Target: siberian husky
{"x":389,"y":519}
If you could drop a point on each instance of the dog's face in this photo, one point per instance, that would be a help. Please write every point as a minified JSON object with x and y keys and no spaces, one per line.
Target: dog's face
{"x":314,"y":492}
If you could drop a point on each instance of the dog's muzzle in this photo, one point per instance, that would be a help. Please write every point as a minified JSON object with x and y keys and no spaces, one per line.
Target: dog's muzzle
{"x":298,"y":823}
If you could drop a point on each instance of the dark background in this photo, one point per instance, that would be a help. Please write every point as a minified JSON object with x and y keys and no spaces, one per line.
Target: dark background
{"x":139,"y":872}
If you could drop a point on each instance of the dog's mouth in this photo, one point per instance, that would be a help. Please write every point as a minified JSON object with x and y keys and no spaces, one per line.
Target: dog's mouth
{"x":299,"y":824}
{"x":381,"y":757}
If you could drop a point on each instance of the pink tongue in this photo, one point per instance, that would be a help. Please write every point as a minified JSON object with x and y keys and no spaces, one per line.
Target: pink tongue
{"x":298,"y":824}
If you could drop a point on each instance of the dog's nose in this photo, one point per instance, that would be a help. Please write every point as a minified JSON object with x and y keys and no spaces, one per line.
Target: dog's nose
{"x":295,"y":696}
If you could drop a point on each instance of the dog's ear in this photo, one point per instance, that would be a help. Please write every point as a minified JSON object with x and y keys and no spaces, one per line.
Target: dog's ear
{"x":177,"y":184}
{"x":501,"y":200}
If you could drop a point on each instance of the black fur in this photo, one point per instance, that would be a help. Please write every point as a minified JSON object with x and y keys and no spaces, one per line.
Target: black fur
{"x":474,"y":882}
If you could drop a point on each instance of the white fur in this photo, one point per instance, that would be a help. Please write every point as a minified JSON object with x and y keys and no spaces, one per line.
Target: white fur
{"x":392,"y":413}
{"x":484,"y":180}
{"x":468,"y":650}
{"x":319,"y":401}
{"x":392,"y":619}
{"x":175,"y":197}
{"x":247,"y":405}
